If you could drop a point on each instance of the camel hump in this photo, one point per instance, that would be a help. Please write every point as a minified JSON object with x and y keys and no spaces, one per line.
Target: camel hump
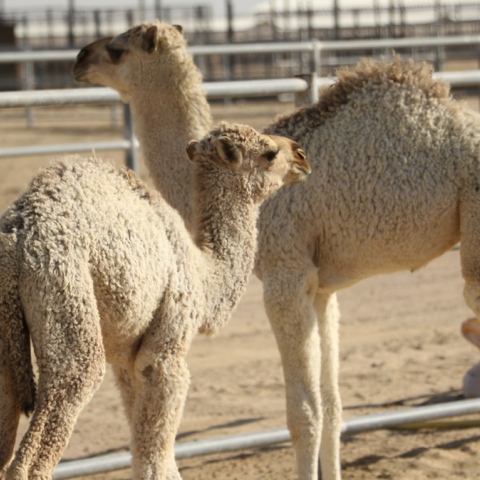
{"x":370,"y":72}
{"x":15,"y":356}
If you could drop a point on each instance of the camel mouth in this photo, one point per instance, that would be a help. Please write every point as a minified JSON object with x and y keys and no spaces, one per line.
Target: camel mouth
{"x":302,"y":170}
{"x":80,"y":74}
{"x":297,"y":174}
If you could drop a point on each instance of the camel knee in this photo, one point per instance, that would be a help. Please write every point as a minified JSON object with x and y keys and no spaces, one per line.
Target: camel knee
{"x":288,"y":299}
{"x":304,"y":415}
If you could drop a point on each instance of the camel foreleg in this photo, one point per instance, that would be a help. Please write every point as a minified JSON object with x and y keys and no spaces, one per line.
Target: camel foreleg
{"x":161,"y":385}
{"x":328,"y":315}
{"x":289,"y":302}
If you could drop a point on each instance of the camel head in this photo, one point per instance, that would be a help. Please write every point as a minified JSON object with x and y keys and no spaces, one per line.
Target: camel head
{"x":258,"y":164}
{"x":135,"y":59}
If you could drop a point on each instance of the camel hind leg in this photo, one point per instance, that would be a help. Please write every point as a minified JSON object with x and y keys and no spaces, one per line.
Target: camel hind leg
{"x":125,"y":382}
{"x":9,"y":411}
{"x":17,"y":384}
{"x":65,"y":329}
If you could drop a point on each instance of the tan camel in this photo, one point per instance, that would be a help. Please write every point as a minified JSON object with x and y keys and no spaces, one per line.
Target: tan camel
{"x":163,"y":87}
{"x":395,"y":177}
{"x":118,"y":277}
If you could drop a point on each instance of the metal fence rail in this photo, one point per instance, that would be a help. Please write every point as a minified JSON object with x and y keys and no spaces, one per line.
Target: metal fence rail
{"x":306,"y":90}
{"x":216,"y":90}
{"x":105,"y":463}
{"x":78,"y":96}
{"x":313,"y":46}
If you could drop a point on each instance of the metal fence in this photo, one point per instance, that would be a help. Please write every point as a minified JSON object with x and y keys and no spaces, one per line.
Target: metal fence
{"x":314,"y":49}
{"x":305,"y":89}
{"x":105,"y":463}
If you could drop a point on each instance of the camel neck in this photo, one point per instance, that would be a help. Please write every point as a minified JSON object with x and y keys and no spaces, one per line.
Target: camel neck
{"x":165,"y":121}
{"x":226,"y":232}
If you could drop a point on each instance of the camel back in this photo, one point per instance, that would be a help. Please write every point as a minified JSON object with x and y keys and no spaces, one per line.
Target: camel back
{"x":366,"y":73}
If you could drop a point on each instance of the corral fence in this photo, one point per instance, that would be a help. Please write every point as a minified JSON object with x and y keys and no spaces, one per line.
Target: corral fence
{"x":408,"y":417}
{"x":305,"y":89}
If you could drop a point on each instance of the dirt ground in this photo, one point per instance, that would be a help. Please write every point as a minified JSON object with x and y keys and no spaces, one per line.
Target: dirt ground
{"x":400,"y":347}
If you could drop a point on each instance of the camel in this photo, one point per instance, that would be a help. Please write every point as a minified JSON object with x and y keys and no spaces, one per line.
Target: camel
{"x":395,"y":163}
{"x":160,"y":72}
{"x":95,"y":266}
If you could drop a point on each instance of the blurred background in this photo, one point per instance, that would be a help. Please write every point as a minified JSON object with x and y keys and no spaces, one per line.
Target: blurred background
{"x":70,"y":24}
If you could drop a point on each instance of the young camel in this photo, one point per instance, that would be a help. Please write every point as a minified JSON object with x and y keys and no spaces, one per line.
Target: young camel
{"x":118,"y":277}
{"x":395,"y":177}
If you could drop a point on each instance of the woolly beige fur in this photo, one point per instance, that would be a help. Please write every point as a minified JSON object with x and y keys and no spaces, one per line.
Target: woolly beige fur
{"x":395,"y":184}
{"x":97,"y":267}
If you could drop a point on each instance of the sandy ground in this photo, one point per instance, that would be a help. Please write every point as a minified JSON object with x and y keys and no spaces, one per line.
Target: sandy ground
{"x":400,"y":347}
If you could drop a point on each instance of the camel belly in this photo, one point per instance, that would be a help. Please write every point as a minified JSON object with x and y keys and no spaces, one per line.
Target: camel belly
{"x":343,"y":260}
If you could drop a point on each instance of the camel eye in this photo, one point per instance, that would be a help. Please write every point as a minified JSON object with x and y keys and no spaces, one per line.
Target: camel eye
{"x":115,"y":53}
{"x":271,"y":155}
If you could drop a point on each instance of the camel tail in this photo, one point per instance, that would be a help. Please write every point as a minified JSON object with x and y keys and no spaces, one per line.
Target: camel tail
{"x":16,"y":371}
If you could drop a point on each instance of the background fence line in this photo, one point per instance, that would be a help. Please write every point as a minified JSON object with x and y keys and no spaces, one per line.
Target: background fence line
{"x":304,"y":89}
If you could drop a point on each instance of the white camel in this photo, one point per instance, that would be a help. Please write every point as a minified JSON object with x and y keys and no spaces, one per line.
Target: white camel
{"x":97,"y":267}
{"x":395,"y":183}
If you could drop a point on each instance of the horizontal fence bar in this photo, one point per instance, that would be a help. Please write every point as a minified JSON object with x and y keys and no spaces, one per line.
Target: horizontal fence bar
{"x":252,"y":88}
{"x":213,"y":90}
{"x":90,"y":466}
{"x":411,"y":42}
{"x":270,"y":47}
{"x":66,"y":96}
{"x":467,"y":78}
{"x":418,"y":414}
{"x":66,"y":148}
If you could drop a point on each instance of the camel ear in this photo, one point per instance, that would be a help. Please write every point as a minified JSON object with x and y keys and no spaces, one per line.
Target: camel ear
{"x":179,"y":28}
{"x":150,"y":39}
{"x":227,"y":150}
{"x":192,"y":150}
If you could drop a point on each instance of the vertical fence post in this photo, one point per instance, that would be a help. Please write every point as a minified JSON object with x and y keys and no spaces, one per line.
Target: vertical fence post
{"x":317,"y":58}
{"x":131,"y":157}
{"x":310,"y":95}
{"x":28,"y":71}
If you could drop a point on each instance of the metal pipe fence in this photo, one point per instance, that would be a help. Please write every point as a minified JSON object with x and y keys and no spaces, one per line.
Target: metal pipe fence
{"x":305,"y":90}
{"x":78,"y":96}
{"x":313,"y":46}
{"x":105,"y":463}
